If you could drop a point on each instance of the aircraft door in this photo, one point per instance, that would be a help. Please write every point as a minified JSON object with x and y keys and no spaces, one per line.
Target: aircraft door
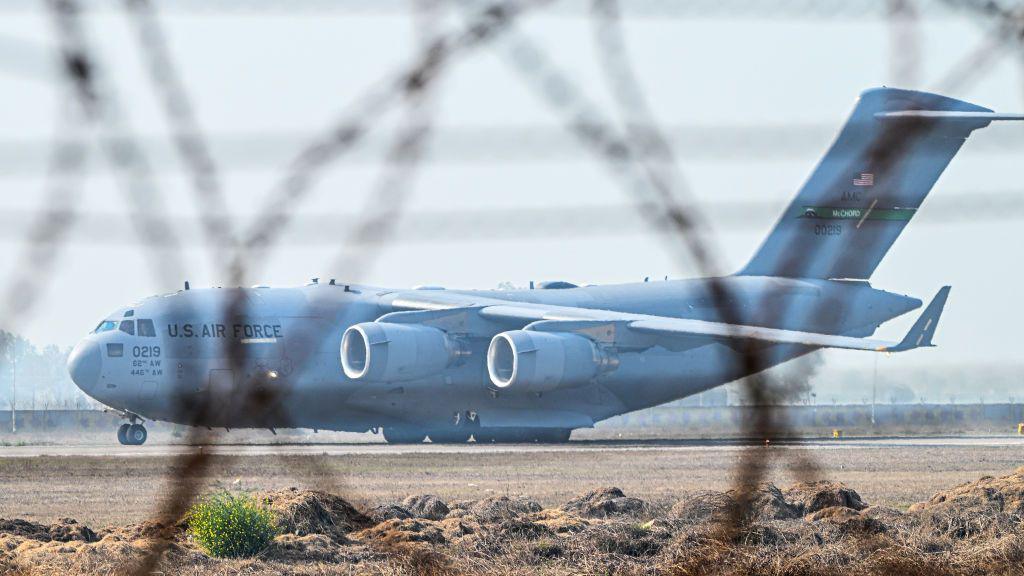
{"x":221,"y":384}
{"x":147,"y":391}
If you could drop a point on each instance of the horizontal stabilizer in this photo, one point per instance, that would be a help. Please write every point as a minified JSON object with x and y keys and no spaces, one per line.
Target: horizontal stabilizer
{"x":949,"y":115}
{"x":921,"y":332}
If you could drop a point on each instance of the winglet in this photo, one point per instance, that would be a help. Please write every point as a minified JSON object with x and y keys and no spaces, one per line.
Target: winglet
{"x":921,"y":332}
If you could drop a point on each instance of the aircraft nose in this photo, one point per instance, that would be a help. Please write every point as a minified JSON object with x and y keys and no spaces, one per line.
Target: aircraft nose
{"x":84,"y":364}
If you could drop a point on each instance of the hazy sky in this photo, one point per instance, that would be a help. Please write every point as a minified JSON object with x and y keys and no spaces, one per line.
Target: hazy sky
{"x":264,"y":83}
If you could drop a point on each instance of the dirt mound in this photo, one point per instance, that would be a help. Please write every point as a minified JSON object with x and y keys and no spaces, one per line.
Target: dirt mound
{"x":627,"y":539}
{"x":388,"y":512}
{"x":990,"y":507}
{"x":426,"y":506}
{"x":847,"y":520}
{"x":498,"y":508}
{"x":885,"y":515}
{"x":559,"y":521}
{"x":308,"y":548}
{"x":1003,"y":494}
{"x":143,"y":531}
{"x":64,"y":530}
{"x":604,"y":503}
{"x":766,"y":502}
{"x":968,"y":530}
{"x":703,"y":506}
{"x":302,"y":512}
{"x":396,"y":531}
{"x":770,"y":534}
{"x":810,"y":497}
{"x":520,"y":528}
{"x":456,"y":528}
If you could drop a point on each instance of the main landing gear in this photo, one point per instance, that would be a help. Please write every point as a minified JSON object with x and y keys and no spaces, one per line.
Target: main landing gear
{"x":132,"y":434}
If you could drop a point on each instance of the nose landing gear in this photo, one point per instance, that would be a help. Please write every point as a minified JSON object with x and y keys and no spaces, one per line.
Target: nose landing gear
{"x":133,"y":434}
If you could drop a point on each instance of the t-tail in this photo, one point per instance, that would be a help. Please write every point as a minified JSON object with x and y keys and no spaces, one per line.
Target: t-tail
{"x":869,"y":185}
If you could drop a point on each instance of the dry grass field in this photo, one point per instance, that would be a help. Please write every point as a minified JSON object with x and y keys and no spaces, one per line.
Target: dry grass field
{"x":105,"y":490}
{"x":799,"y":529}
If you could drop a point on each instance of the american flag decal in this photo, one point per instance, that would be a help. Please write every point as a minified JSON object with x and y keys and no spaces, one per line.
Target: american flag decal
{"x":864,"y":180}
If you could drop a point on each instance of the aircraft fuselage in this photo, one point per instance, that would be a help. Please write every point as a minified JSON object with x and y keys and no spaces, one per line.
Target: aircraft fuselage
{"x":170,"y":357}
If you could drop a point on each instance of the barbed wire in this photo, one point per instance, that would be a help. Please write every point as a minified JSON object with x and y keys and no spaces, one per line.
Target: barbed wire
{"x":761,"y":9}
{"x":752,"y":465}
{"x":500,"y":223}
{"x":263,"y":397}
{"x":540,"y":144}
{"x":48,"y":230}
{"x":189,"y":140}
{"x":387,"y":200}
{"x":292,"y":190}
{"x":639,"y":157}
{"x":100,"y":108}
{"x":98,"y":104}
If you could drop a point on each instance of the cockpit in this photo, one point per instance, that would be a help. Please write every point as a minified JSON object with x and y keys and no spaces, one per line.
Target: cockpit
{"x":141,"y":327}
{"x":105,"y":326}
{"x":119,"y":367}
{"x":131,"y":326}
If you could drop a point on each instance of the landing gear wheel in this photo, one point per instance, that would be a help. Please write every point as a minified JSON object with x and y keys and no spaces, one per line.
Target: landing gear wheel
{"x":404,"y":436}
{"x":136,"y":434}
{"x":122,"y":433}
{"x":449,"y":436}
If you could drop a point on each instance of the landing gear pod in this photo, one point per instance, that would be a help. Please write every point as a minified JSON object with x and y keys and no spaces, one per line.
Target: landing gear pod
{"x":386,"y":352}
{"x":529,"y":361}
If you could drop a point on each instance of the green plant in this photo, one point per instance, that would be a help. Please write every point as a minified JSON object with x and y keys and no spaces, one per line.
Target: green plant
{"x":228,"y":525}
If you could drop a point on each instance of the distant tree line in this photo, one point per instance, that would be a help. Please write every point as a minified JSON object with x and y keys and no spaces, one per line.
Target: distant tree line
{"x":33,"y":377}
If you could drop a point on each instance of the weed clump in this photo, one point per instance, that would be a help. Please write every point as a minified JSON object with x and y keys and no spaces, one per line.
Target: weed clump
{"x":231,"y":526}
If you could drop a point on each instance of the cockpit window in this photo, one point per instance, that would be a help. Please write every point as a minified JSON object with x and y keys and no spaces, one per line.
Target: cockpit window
{"x":105,"y":326}
{"x":128,"y":327}
{"x":146,"y":328}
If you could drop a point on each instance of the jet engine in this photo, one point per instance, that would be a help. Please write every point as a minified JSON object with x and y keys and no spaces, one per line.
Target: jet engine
{"x":390,"y":352}
{"x":534,"y":361}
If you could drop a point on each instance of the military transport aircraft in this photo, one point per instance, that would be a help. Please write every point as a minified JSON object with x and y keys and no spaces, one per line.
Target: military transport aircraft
{"x":532,"y":365}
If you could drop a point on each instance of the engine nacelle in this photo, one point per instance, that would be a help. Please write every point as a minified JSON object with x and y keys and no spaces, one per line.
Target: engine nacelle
{"x":387,"y":352}
{"x":529,"y":361}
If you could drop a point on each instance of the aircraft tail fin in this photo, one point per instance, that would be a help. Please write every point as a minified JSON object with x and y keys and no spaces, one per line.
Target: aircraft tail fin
{"x":869,"y":184}
{"x":921,"y":332}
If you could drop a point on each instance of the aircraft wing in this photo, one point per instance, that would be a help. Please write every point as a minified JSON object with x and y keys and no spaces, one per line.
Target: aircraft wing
{"x":920,"y":333}
{"x":641,"y":330}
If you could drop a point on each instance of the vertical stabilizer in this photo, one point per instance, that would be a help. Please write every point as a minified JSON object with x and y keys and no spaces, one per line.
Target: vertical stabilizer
{"x":868,"y":186}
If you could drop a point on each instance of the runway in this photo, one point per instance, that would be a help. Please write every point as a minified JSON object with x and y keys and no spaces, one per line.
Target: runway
{"x":365,"y":448}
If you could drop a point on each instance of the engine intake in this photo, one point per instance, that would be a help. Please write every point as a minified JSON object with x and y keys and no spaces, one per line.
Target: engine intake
{"x":387,"y":352}
{"x":531,"y":361}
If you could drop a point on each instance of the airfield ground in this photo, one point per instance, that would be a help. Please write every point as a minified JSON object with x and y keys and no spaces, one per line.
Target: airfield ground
{"x":110,"y":484}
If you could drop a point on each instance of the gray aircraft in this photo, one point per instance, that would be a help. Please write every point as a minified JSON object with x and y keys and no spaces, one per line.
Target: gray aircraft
{"x":532,"y":365}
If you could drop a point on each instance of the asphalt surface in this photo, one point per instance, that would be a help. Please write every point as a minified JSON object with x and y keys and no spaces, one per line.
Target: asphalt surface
{"x":341,"y":449}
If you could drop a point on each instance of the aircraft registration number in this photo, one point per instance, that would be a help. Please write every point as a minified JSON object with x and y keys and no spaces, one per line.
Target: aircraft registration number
{"x":146,"y":351}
